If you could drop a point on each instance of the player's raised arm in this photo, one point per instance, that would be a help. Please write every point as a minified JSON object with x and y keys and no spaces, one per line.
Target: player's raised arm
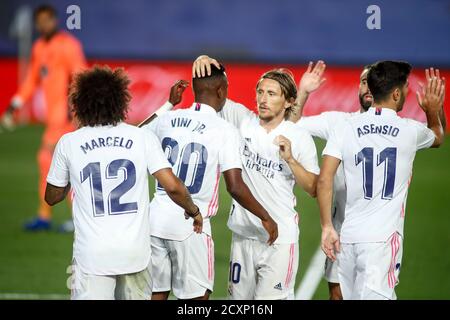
{"x":311,"y":80}
{"x":330,"y":238}
{"x":431,"y":100}
{"x":179,"y":194}
{"x":237,"y":188}
{"x":176,"y":94}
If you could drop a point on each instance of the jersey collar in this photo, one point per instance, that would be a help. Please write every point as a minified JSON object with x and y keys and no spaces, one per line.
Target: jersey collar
{"x":381,"y":111}
{"x":201,"y":107}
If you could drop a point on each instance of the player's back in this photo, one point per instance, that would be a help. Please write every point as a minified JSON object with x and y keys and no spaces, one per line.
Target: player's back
{"x":377,"y":150}
{"x":108,"y":170}
{"x":199,"y":145}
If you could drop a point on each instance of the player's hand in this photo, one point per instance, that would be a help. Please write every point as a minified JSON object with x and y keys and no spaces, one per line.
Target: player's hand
{"x":198,"y":220}
{"x":202,"y":66}
{"x":330,"y":243}
{"x":313,"y":78}
{"x":272,"y":229}
{"x":431,"y":96}
{"x":430,"y":74}
{"x":198,"y":223}
{"x":285,"y":147}
{"x":7,"y":120}
{"x":176,"y":91}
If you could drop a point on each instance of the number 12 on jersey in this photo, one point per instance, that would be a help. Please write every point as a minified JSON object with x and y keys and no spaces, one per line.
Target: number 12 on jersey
{"x":389,"y":157}
{"x":93,"y":174}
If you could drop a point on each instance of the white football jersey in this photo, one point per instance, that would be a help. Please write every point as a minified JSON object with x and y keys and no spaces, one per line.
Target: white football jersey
{"x":267,"y":175}
{"x":320,"y":126}
{"x":377,"y":149}
{"x":108,"y":168}
{"x":199,"y":145}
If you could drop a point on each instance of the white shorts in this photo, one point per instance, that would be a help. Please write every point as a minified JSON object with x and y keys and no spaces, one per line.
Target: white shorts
{"x":133,"y":286}
{"x":331,"y":271}
{"x":186,"y":267}
{"x":259,"y":271}
{"x":370,"y":271}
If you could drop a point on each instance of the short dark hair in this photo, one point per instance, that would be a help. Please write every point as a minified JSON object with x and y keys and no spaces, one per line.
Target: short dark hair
{"x":385,"y":76}
{"x":202,"y":83}
{"x":44,"y":8}
{"x":100,"y":96}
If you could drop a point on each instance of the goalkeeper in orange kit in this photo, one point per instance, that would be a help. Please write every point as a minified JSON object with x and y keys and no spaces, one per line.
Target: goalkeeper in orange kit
{"x":55,"y":57}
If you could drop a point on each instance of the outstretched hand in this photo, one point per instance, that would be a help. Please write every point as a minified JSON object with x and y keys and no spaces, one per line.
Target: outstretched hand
{"x":431,"y":95}
{"x":313,"y":78}
{"x":177,"y":90}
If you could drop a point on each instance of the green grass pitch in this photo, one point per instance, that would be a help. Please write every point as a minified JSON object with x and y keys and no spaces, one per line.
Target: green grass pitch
{"x":37,"y":263}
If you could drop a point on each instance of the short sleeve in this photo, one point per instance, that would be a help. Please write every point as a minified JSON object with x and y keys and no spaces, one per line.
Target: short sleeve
{"x":235,"y":113}
{"x":307,"y":153}
{"x":58,"y":174}
{"x":425,"y":136}
{"x":334,"y":145}
{"x":229,"y":156}
{"x":155,"y":155}
{"x":317,"y":126}
{"x":153,"y":125}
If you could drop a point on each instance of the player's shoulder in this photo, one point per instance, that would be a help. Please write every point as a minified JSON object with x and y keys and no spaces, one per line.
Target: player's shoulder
{"x":290,"y":129}
{"x":411,"y":122}
{"x":338,"y":115}
{"x":233,"y":104}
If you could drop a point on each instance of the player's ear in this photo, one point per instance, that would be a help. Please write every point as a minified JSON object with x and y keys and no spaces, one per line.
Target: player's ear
{"x":289,"y":103}
{"x":396,"y":94}
{"x":221,"y":92}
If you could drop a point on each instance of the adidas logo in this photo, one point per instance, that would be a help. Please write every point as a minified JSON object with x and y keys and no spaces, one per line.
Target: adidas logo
{"x":278,"y":286}
{"x":248,"y":139}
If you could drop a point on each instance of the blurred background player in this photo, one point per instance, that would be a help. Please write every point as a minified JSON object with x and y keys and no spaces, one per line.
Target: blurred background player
{"x":377,"y":149}
{"x":200,"y":146}
{"x":109,"y":159}
{"x":55,"y":57}
{"x":275,"y":155}
{"x":320,"y":126}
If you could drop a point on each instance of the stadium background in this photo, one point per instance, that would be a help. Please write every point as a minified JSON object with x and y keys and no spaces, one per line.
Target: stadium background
{"x":156,"y":41}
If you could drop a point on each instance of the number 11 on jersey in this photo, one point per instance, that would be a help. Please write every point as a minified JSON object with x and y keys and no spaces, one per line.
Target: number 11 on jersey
{"x":389,"y":157}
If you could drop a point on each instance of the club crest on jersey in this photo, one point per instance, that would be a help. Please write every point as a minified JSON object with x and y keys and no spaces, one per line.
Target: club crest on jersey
{"x":378,"y":111}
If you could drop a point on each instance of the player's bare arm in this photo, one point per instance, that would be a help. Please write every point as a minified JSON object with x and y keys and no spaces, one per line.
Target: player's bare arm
{"x":431,"y":99}
{"x":330,"y":238}
{"x":179,"y":194}
{"x":237,"y":188}
{"x":176,"y":94}
{"x":311,"y":80}
{"x":54,"y":195}
{"x":303,"y":178}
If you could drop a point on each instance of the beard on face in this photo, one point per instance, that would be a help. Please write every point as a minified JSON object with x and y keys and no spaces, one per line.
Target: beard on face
{"x":365,"y":104}
{"x":401,"y":102}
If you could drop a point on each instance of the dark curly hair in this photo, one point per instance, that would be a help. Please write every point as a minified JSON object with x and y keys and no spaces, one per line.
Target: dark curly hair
{"x":100,"y":96}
